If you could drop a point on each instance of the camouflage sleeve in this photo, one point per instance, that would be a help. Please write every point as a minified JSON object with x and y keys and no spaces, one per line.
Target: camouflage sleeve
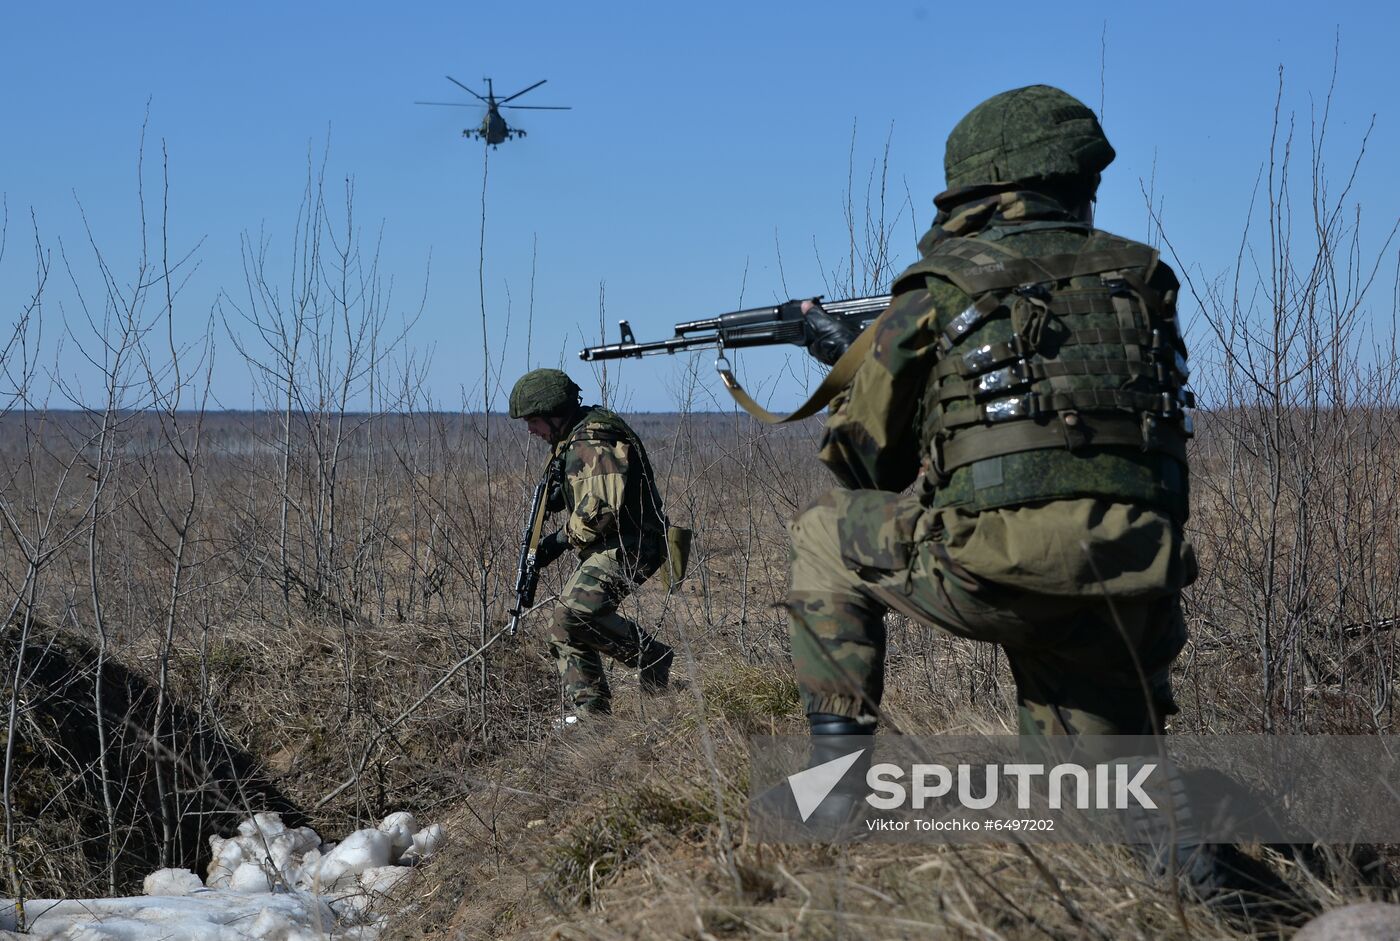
{"x":596,"y":474}
{"x":872,"y":440}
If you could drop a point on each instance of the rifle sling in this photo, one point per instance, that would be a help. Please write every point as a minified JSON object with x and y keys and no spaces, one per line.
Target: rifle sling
{"x":840,"y":376}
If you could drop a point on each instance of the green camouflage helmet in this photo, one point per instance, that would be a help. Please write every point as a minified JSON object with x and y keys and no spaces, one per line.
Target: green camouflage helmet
{"x":543,"y":392}
{"x":1026,"y":134}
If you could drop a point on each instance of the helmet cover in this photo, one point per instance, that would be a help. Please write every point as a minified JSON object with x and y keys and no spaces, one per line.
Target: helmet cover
{"x":543,"y":392}
{"x":1025,"y":135}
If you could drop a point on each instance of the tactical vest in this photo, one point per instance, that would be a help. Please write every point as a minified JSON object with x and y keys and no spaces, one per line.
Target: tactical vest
{"x":641,"y":514}
{"x":1064,"y":378}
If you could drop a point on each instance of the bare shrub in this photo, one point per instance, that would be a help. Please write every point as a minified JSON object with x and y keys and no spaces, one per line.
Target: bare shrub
{"x":1297,"y":497}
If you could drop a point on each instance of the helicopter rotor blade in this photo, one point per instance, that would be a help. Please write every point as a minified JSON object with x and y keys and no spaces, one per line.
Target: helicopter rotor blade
{"x":523,"y":91}
{"x":464,"y":88}
{"x":450,"y":104}
{"x":540,"y":107}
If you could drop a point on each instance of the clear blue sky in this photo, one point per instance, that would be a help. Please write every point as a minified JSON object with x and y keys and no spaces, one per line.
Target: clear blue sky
{"x":703,"y":140}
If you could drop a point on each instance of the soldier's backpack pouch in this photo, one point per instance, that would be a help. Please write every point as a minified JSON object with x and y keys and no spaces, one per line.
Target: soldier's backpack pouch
{"x":678,"y":540}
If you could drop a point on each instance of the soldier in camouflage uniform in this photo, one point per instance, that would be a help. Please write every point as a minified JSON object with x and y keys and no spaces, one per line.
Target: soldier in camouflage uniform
{"x":616,"y":525}
{"x":1028,"y":378}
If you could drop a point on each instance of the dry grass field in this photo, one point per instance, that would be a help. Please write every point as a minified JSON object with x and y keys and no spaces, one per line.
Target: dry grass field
{"x":204,"y":613}
{"x":204,"y":622}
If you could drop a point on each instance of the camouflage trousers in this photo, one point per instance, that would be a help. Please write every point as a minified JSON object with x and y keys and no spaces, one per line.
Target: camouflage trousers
{"x":586,"y":626}
{"x":1080,"y":666}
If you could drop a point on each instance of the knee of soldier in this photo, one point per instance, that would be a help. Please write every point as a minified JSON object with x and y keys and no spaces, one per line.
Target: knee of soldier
{"x":564,"y":622}
{"x":816,"y":548}
{"x":814,"y":531}
{"x":561,"y":652}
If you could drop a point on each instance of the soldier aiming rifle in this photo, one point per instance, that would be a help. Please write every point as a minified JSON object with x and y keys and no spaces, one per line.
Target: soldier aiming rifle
{"x":1029,"y":381}
{"x":1027,"y":378}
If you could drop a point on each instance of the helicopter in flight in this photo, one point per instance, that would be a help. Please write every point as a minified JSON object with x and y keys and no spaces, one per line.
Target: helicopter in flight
{"x":494,"y":129}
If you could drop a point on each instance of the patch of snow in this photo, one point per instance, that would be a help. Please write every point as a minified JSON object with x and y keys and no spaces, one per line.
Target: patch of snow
{"x":425,"y":842}
{"x":172,"y":882}
{"x":401,"y":828}
{"x":361,"y":850}
{"x":269,"y":882}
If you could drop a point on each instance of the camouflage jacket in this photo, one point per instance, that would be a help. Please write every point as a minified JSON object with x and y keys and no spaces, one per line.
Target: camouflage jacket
{"x":875,"y":435}
{"x":609,"y":489}
{"x":873,"y":440}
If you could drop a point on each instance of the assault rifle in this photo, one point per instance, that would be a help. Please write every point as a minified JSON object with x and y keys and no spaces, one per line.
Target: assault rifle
{"x":756,"y":326}
{"x":527,"y":569}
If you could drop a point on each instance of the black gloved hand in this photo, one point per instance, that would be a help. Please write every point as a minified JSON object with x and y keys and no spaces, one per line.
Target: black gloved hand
{"x":550,"y":548}
{"x":827,"y":336}
{"x":554,"y":499}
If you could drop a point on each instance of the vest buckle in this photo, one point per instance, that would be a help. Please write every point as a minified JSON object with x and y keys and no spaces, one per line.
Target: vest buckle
{"x":1117,"y":287}
{"x":1076,"y":435}
{"x":1021,"y":406}
{"x":935,"y":459}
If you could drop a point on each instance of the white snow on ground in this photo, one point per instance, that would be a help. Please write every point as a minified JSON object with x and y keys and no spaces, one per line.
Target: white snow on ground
{"x":268,"y":882}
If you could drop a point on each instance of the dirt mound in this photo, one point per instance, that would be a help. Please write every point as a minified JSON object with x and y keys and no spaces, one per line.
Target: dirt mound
{"x":115,"y":779}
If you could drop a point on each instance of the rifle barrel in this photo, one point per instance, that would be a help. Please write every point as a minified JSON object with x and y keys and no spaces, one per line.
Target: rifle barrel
{"x":624,"y":350}
{"x":755,"y":326}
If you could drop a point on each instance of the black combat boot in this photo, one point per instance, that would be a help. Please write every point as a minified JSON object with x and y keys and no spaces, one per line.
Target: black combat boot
{"x":655,"y":675}
{"x":826,"y":801}
{"x":1246,"y":891}
{"x":835,"y":739}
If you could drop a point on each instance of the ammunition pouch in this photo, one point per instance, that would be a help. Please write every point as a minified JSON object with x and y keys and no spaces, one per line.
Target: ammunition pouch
{"x":1077,"y":352}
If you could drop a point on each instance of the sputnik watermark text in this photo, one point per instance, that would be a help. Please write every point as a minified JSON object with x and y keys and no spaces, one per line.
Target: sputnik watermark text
{"x":1102,"y":786}
{"x":1081,"y":789}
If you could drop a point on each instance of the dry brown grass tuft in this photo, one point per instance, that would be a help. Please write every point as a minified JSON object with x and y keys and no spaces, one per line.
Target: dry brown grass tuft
{"x":634,"y":828}
{"x":614,"y":833}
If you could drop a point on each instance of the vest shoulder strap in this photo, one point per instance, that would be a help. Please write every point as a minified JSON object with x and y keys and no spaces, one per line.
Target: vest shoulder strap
{"x":979,"y":266}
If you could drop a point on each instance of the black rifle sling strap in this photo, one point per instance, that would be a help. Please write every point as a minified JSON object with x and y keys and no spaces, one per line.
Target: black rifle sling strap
{"x":840,"y":376}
